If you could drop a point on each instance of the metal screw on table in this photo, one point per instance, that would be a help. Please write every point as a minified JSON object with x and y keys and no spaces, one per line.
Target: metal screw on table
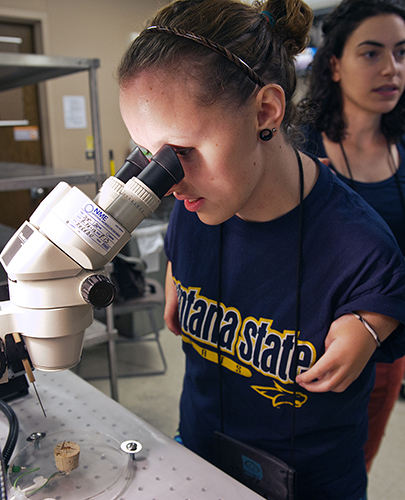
{"x":36,"y":438}
{"x":131,"y":447}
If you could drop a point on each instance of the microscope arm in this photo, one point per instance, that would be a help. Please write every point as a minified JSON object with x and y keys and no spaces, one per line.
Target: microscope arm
{"x":55,"y":261}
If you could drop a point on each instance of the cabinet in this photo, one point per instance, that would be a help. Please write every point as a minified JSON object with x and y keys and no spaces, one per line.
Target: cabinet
{"x":17,"y":70}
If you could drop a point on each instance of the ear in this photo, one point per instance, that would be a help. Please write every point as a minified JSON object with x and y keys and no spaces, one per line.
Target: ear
{"x":270,"y":102}
{"x":334,"y":65}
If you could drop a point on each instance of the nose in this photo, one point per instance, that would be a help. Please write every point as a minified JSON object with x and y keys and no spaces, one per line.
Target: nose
{"x":390,"y":66}
{"x":173,"y":188}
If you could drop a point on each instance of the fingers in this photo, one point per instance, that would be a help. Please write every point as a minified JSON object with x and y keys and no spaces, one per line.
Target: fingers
{"x":324,"y":379}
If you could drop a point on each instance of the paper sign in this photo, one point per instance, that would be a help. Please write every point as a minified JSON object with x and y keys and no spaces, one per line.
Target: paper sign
{"x":74,"y":111}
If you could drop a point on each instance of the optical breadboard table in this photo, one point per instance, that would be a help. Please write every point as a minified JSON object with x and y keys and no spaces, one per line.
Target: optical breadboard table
{"x":76,"y":411}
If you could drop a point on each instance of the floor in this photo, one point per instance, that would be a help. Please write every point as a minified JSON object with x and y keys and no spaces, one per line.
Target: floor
{"x":155,"y":399}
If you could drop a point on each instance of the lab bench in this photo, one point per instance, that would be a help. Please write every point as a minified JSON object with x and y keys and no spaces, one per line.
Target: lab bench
{"x":162,"y":470}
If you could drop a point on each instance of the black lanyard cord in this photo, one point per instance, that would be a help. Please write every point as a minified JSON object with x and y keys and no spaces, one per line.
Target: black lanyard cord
{"x":347,"y":165}
{"x":218,"y":326}
{"x":393,"y":167}
{"x":297,"y":307}
{"x":397,"y":180}
{"x":298,"y":298}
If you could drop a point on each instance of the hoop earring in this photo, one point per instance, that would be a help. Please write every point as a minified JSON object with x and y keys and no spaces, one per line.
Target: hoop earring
{"x":267,"y":134}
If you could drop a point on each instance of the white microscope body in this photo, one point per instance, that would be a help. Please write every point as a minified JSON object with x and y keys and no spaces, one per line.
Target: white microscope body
{"x":55,"y":261}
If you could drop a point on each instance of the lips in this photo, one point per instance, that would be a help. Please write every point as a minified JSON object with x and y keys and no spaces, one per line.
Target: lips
{"x":387,"y":89}
{"x":195,"y":205}
{"x":191,"y":204}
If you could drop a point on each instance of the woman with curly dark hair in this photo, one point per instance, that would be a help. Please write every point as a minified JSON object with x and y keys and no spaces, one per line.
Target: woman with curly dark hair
{"x":355,"y":116}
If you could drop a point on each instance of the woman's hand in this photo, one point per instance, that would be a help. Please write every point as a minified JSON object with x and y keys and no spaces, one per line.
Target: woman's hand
{"x":171,"y":312}
{"x":348,"y":348}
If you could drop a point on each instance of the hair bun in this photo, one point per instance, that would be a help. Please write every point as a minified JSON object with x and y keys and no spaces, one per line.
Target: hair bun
{"x":292,"y":22}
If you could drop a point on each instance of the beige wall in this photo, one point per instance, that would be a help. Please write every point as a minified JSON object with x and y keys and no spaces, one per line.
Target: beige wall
{"x":92,"y":29}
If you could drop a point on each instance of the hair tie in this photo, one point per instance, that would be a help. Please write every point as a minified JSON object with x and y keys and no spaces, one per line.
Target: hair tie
{"x":269,"y":18}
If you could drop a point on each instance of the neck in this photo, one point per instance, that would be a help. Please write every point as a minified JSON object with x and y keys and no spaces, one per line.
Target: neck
{"x":278,"y":191}
{"x":363,"y":128}
{"x":369,"y":157}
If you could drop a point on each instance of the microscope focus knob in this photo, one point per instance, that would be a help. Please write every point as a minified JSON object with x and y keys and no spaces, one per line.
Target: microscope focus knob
{"x":98,"y":291}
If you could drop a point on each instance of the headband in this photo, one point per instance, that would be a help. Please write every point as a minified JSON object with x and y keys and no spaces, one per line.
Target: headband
{"x":213,"y":46}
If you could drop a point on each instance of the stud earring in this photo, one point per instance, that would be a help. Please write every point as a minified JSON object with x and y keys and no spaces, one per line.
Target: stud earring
{"x":267,"y":134}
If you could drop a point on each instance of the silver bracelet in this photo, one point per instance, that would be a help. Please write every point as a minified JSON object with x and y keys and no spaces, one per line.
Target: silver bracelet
{"x":369,"y":328}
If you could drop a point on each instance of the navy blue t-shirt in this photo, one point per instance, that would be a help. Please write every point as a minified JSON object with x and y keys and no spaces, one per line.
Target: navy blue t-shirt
{"x":383,"y":196}
{"x":351,"y":261}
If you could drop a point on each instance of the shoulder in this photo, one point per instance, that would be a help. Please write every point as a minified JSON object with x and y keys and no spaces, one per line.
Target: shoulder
{"x":313,"y":142}
{"x":401,"y":149}
{"x":345,"y":213}
{"x":353,"y":248}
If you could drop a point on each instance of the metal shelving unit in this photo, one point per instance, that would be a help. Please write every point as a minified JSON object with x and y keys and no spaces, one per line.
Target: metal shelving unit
{"x":17,"y":70}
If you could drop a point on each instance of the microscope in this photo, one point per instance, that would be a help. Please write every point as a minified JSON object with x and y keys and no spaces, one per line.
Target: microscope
{"x":55,"y":262}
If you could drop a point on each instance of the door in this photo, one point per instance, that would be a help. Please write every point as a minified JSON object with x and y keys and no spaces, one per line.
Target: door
{"x":19,"y":142}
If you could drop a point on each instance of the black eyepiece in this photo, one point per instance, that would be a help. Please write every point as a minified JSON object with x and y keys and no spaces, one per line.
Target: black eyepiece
{"x":163,"y":171}
{"x":133,"y":165}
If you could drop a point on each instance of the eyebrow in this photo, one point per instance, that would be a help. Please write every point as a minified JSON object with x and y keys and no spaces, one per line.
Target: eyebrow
{"x":378,"y":44}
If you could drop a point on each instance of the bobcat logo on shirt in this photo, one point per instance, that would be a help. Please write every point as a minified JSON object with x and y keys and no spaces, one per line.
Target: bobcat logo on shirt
{"x":280,"y":396}
{"x":247,"y":344}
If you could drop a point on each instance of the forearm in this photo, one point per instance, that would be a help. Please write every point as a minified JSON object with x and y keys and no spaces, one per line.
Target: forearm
{"x":348,"y":347}
{"x":171,"y":312}
{"x":382,"y":325}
